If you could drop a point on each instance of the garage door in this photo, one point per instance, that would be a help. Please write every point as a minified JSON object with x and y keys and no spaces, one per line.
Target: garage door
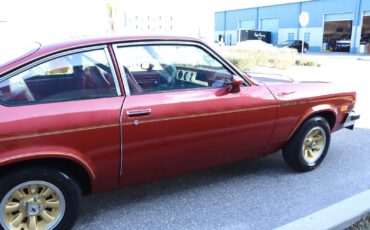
{"x":271,"y":25}
{"x":338,"y":32}
{"x":247,"y":25}
{"x":365,"y":30}
{"x":338,"y":17}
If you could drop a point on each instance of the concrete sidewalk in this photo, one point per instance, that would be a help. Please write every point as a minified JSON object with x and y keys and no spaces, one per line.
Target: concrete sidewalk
{"x":336,"y":55}
{"x":338,"y":216}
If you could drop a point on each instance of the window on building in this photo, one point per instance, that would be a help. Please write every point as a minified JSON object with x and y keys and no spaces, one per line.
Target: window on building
{"x":290,"y":36}
{"x":307,"y":37}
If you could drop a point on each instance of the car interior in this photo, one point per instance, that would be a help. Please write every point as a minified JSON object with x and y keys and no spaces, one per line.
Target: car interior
{"x":175,"y":78}
{"x":151,"y":69}
{"x":80,"y":76}
{"x":65,"y":78}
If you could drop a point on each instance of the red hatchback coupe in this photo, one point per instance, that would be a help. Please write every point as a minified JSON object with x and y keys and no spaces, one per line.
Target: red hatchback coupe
{"x":97,"y":114}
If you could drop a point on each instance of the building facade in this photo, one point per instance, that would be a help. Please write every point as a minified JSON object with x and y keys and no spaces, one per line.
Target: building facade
{"x":333,"y":24}
{"x":173,"y":19}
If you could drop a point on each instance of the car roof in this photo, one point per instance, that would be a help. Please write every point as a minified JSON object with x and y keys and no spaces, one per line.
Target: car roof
{"x":45,"y":50}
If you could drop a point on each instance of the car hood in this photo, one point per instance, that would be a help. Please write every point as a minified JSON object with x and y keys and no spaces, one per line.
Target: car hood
{"x":270,"y":79}
{"x":266,"y":78}
{"x":309,"y":90}
{"x":285,"y":88}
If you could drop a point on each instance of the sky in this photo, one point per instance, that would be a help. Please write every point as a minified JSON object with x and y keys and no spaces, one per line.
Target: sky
{"x":51,"y":21}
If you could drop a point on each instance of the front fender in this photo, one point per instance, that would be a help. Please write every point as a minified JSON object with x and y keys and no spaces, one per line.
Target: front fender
{"x":317,"y":109}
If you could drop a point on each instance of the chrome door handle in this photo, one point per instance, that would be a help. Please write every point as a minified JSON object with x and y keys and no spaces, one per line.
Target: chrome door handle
{"x":139,"y":112}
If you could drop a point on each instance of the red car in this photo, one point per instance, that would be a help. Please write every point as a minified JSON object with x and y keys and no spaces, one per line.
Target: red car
{"x":98,"y":114}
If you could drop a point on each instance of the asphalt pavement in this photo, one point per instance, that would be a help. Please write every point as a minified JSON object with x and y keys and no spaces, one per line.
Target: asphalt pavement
{"x":255,"y":194}
{"x":261,"y":193}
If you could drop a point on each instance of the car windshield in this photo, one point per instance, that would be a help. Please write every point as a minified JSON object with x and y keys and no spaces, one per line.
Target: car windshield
{"x":11,"y":53}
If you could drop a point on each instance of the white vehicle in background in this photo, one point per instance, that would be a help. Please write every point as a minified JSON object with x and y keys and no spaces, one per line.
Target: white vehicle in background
{"x":343,"y":45}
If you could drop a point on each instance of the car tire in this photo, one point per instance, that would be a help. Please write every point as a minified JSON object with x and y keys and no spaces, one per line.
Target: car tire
{"x":309,"y":145}
{"x":38,"y":198}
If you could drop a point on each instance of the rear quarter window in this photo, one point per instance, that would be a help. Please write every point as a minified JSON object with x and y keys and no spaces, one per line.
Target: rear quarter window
{"x":82,"y":75}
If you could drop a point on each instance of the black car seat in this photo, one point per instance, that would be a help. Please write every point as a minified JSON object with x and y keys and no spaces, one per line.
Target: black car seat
{"x":94,"y":79}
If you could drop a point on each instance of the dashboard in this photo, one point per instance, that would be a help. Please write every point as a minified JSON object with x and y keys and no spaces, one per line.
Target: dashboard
{"x":189,"y":76}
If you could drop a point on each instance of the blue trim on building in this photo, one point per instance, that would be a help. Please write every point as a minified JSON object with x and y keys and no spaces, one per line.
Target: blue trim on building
{"x":356,"y":23}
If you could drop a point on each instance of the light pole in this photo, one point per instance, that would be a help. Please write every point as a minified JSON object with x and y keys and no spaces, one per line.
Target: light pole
{"x":303,"y":30}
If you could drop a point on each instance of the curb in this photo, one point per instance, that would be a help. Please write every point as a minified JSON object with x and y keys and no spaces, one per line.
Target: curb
{"x":338,"y":216}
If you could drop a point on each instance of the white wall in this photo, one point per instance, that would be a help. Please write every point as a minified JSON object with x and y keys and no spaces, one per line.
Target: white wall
{"x":234,"y":37}
{"x":218,"y":32}
{"x":187,"y":20}
{"x":50,"y":21}
{"x":356,"y":43}
{"x":283,"y":34}
{"x":315,"y":37}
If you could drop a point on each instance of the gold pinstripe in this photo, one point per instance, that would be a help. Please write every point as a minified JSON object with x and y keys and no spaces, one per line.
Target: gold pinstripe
{"x":302,"y":102}
{"x":201,"y":115}
{"x":57,"y":132}
{"x":49,"y":153}
{"x":349,"y":98}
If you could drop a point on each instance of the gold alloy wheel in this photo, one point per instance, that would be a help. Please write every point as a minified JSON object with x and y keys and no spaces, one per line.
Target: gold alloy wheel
{"x":33,"y":205}
{"x":313,"y":145}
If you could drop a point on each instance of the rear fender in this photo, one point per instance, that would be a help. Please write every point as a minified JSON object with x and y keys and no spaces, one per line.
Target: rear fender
{"x":24,"y":155}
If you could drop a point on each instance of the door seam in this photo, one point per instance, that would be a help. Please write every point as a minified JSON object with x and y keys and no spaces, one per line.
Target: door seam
{"x":121,"y":137}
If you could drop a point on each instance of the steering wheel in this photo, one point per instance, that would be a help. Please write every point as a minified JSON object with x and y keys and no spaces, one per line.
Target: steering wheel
{"x":168,"y":75}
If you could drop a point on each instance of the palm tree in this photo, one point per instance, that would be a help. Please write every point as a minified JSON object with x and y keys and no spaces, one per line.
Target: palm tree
{"x":110,"y":16}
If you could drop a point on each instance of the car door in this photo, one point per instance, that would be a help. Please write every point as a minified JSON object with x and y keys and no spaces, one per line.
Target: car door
{"x":190,"y":121}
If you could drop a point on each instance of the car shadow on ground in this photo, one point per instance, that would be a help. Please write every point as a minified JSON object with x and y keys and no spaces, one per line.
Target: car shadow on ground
{"x":272,"y":164}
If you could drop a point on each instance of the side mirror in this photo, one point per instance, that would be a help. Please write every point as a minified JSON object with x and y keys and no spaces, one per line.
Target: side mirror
{"x":235,"y":84}
{"x":146,"y":66}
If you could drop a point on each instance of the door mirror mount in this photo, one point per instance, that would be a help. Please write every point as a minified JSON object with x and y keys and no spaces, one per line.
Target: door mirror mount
{"x":236,"y":82}
{"x":147,"y":66}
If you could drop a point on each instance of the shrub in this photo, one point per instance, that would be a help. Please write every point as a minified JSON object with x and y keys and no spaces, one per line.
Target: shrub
{"x":305,"y":62}
{"x":247,"y":58}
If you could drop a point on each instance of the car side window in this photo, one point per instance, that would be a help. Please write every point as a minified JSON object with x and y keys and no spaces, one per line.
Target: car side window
{"x":157,"y":68}
{"x":76,"y":76}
